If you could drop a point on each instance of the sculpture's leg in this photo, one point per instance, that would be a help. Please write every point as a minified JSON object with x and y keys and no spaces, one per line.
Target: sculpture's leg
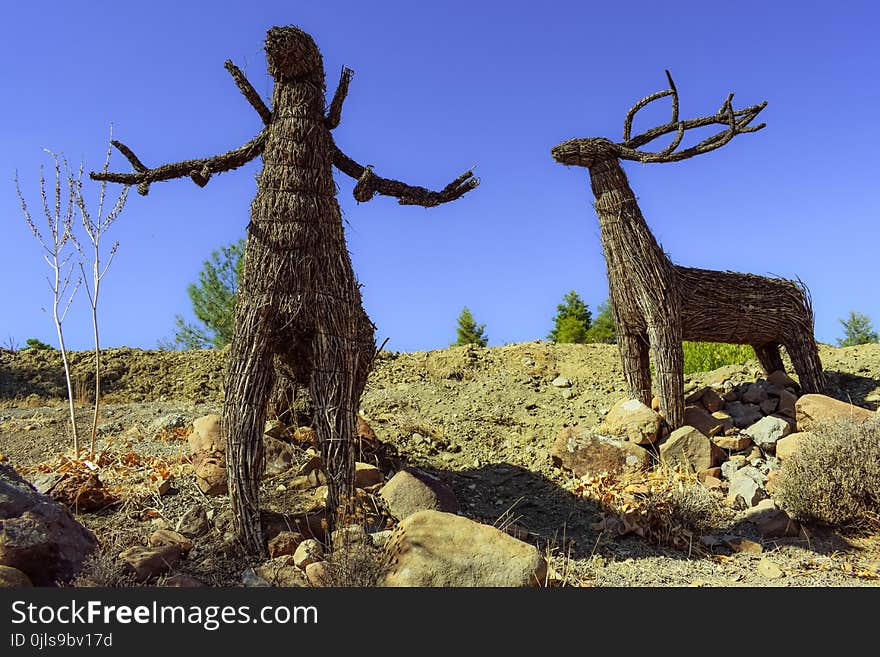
{"x":636,"y":365}
{"x":249,"y":379}
{"x":669,"y":367}
{"x":768,"y":356}
{"x":805,"y":358}
{"x":341,"y":366}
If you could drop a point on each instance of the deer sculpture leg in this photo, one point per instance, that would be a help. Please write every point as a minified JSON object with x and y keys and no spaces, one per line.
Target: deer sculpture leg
{"x":768,"y":356}
{"x":636,"y":365}
{"x":668,"y":359}
{"x":805,"y":359}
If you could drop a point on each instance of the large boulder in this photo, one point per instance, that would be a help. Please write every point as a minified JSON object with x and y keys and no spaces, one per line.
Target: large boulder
{"x":587,"y":453}
{"x":412,"y":490}
{"x":38,"y":535}
{"x":432,"y":548}
{"x":813,"y":410}
{"x":631,"y":419}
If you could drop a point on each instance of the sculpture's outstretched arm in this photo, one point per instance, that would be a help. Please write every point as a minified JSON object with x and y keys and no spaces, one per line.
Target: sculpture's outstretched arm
{"x":199,"y":170}
{"x":369,"y":184}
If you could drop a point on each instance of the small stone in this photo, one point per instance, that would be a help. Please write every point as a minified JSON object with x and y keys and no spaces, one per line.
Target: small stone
{"x":148,"y":562}
{"x":707,"y":397}
{"x":194,"y":522}
{"x":568,"y":393}
{"x":285,"y":542}
{"x":787,"y":404}
{"x":733,"y":443}
{"x":688,"y":447}
{"x":13,"y":578}
{"x":561,"y":382}
{"x":205,"y":436}
{"x":182,"y":581}
{"x":318,"y":574}
{"x":766,"y":431}
{"x":164,"y":537}
{"x":164,"y":485}
{"x":250,"y":579}
{"x":769,"y":405}
{"x":282,"y":572}
{"x":412,"y":489}
{"x":739,"y":544}
{"x":746,"y":487}
{"x":769,"y":570}
{"x":366,"y":474}
{"x":274,"y":429}
{"x":781,"y":379}
{"x":631,"y":419}
{"x":743,"y":415}
{"x":791,"y":444}
{"x":770,"y":521}
{"x":732,"y":464}
{"x":351,"y":535}
{"x":755,"y":393}
{"x":702,"y":420}
{"x":380,"y":538}
{"x":309,"y":551}
{"x":655,"y":404}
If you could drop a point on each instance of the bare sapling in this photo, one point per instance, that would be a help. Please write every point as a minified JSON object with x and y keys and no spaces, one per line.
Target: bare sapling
{"x":95,"y":229}
{"x":56,"y":253}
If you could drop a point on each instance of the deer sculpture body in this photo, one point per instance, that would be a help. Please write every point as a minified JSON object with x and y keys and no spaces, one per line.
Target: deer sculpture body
{"x":657,"y":304}
{"x":299,"y":305}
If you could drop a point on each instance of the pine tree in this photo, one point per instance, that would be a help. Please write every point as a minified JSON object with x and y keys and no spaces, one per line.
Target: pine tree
{"x":213,"y":301}
{"x":572,"y":321}
{"x":603,"y":329}
{"x":468,"y":331}
{"x":857,"y":329}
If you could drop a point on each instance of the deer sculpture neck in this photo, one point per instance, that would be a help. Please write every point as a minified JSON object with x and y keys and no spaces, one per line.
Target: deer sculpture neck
{"x":626,"y":239}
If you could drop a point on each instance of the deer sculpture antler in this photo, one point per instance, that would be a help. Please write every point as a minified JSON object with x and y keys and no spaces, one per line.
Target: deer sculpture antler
{"x":737,"y":121}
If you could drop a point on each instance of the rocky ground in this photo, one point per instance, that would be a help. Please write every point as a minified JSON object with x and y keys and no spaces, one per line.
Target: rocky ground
{"x":486,"y":422}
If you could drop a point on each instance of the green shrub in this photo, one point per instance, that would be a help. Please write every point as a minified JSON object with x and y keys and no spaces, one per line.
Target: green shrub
{"x":834,"y":478}
{"x":707,"y":356}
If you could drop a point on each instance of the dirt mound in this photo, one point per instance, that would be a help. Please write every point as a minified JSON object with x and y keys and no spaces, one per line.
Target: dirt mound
{"x":127,"y":375}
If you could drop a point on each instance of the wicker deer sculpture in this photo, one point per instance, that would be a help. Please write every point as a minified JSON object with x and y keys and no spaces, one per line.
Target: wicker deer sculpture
{"x":299,"y":305}
{"x":657,"y":304}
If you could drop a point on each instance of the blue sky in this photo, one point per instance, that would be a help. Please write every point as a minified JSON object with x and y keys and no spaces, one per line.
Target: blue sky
{"x":439,"y":87}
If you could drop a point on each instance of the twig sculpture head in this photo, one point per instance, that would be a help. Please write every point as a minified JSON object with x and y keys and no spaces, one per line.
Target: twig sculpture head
{"x":657,"y":304}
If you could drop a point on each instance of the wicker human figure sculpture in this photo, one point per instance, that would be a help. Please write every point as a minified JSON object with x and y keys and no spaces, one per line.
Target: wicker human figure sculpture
{"x":657,"y":304}
{"x":299,"y":304}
